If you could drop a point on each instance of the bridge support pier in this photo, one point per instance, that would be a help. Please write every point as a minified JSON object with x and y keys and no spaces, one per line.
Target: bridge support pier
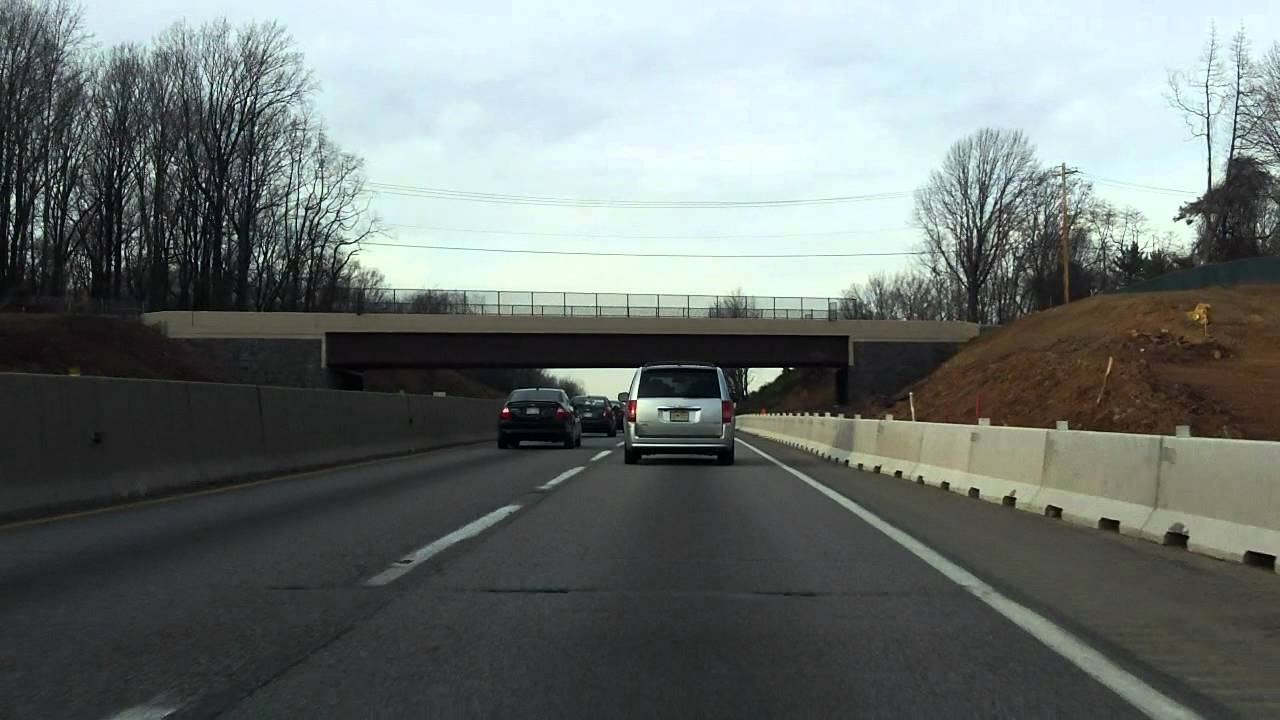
{"x":883,"y":370}
{"x":843,"y":388}
{"x":345,"y":379}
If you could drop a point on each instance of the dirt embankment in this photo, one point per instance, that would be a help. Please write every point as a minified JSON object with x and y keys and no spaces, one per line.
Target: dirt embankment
{"x":1166,"y":370}
{"x":796,"y":389}
{"x":95,"y":345}
{"x":1050,"y":366}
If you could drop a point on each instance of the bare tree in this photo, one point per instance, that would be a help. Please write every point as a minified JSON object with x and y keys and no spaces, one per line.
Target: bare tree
{"x":64,"y":217}
{"x":971,"y":208}
{"x":156,"y":174}
{"x":854,"y":305}
{"x":42,"y":42}
{"x":115,"y":126}
{"x":1240,"y":89}
{"x":439,"y":302}
{"x":1198,"y":96}
{"x":277,"y":83}
{"x":187,"y":173}
{"x":922,"y":297}
{"x":360,"y":290}
{"x":1233,"y":216}
{"x":882,"y":297}
{"x":1263,"y":138}
{"x":912,"y":294}
{"x":739,"y":381}
{"x":733,"y":305}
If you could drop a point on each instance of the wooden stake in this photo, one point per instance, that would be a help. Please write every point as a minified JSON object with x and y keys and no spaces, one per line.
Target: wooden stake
{"x":1105,"y":376}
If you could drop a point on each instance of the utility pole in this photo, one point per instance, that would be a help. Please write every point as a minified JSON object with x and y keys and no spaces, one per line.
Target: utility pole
{"x":1066,"y":238}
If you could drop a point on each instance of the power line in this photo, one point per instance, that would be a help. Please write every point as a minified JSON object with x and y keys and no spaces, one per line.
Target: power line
{"x":449,"y":194}
{"x":549,"y":201}
{"x":592,"y":253}
{"x":606,"y":236}
{"x":1139,"y":186}
{"x":538,"y":198}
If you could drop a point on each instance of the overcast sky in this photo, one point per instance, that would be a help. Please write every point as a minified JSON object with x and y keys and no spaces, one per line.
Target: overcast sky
{"x":717,"y":101}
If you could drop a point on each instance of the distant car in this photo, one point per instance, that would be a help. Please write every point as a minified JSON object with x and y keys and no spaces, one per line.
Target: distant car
{"x":596,"y":414}
{"x":679,"y":408}
{"x":619,"y":416}
{"x":539,"y":415}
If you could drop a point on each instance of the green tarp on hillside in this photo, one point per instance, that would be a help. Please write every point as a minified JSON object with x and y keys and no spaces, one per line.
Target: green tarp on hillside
{"x":1251,"y":271}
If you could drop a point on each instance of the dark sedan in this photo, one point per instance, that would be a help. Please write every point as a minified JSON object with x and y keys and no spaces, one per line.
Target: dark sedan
{"x":539,"y":415}
{"x":596,"y":414}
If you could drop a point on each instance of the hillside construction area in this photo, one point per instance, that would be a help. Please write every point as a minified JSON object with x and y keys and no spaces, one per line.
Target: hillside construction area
{"x":1168,"y":367}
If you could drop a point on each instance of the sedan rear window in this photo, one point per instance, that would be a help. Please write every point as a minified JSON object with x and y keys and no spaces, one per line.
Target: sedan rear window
{"x":679,"y":383}
{"x":540,"y":395}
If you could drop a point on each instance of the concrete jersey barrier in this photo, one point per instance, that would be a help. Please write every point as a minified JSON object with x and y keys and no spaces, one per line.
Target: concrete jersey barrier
{"x":78,"y":441}
{"x":866,"y":434}
{"x":1005,"y":464}
{"x":944,"y":455}
{"x":1216,"y":497}
{"x":1105,"y":480}
{"x":1221,"y":496}
{"x":898,"y":447}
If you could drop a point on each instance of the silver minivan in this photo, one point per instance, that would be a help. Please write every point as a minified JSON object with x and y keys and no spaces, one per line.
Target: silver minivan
{"x":679,"y":408}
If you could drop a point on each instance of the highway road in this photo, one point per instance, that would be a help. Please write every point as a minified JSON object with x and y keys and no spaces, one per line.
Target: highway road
{"x":473,"y":582}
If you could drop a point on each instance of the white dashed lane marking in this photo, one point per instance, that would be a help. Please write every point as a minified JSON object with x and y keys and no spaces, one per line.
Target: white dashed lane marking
{"x":407,"y":563}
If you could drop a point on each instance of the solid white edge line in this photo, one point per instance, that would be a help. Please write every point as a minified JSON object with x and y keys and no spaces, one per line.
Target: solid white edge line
{"x":600,"y":455}
{"x":561,"y":478}
{"x":409,"y":562}
{"x":155,"y":709}
{"x":1128,"y":686}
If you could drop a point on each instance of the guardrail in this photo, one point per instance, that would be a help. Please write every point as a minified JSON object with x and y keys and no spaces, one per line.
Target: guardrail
{"x":1212,"y":496}
{"x":592,"y":304}
{"x":513,"y":303}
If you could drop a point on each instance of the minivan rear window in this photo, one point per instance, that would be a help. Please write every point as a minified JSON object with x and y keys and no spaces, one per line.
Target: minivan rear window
{"x":535,"y":396}
{"x":679,"y":383}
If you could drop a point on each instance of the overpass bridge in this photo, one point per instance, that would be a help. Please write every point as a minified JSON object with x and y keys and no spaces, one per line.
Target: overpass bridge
{"x":336,"y":348}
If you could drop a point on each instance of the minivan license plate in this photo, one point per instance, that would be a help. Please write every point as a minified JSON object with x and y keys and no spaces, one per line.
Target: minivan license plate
{"x":679,"y":416}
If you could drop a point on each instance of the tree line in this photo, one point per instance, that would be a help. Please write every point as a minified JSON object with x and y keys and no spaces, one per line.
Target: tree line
{"x":189,"y":172}
{"x":991,"y":214}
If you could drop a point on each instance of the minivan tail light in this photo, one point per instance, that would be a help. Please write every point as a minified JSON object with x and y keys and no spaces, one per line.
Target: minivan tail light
{"x":561,"y":414}
{"x":726,"y":411}
{"x":631,"y":411}
{"x":506,"y":413}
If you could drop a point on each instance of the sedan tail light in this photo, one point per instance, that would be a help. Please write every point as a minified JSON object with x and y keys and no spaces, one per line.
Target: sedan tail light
{"x":506,"y":413}
{"x":561,"y":415}
{"x":726,"y":411}
{"x":631,"y":411}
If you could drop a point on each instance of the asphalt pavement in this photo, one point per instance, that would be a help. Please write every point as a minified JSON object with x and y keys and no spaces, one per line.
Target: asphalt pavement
{"x":544,"y":582}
